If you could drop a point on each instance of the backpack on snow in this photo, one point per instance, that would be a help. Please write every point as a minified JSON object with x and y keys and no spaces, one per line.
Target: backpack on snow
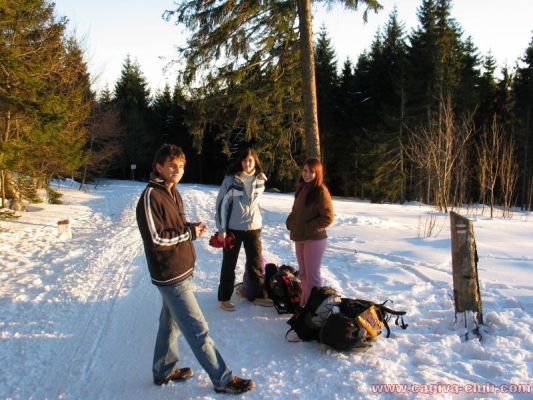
{"x":322,"y":302}
{"x":300,"y":323}
{"x":306,"y":323}
{"x":371,"y":316}
{"x":344,"y":333}
{"x":357,"y":324}
{"x":284,"y":288}
{"x":342,"y":323}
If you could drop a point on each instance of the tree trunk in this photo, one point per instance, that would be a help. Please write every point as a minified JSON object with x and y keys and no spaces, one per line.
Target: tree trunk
{"x":307,"y":64}
{"x":2,"y":188}
{"x":83,"y":177}
{"x":3,"y":138}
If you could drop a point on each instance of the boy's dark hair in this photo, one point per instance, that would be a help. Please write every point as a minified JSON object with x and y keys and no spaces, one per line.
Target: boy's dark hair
{"x":236,"y":167}
{"x":167,"y":152}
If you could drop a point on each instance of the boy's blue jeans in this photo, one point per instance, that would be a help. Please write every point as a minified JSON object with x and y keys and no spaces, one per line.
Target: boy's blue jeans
{"x":180,"y":314}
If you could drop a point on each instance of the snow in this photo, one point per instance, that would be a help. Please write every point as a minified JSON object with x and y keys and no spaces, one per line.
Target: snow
{"x":79,"y":316}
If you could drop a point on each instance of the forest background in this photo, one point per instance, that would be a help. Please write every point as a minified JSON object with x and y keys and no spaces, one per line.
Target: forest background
{"x":421,"y":115}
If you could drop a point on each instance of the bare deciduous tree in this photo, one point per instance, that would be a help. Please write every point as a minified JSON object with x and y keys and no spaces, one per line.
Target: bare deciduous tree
{"x":437,"y":149}
{"x":508,"y":174}
{"x":488,"y":156}
{"x":106,"y":139}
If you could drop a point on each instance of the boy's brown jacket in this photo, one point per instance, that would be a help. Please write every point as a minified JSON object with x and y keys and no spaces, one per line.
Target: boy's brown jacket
{"x":309,"y":222}
{"x":166,"y":234}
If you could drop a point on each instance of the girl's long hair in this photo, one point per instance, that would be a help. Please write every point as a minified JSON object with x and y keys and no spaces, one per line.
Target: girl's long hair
{"x":236,"y":167}
{"x":315,"y":166}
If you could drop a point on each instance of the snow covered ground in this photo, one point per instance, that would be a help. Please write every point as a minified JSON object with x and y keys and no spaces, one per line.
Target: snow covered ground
{"x":79,"y":316}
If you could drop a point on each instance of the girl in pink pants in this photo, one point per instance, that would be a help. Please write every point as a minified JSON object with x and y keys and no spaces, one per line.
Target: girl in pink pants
{"x":309,"y":255}
{"x":312,"y":213}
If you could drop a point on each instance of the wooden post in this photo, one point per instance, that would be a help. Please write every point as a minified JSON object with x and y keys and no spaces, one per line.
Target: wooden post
{"x":464,"y":264}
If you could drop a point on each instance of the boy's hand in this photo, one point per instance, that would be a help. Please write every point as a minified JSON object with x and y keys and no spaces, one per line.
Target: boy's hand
{"x":200,"y":228}
{"x":222,"y":238}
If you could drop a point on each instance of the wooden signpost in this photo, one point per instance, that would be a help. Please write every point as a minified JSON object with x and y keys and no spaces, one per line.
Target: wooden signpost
{"x":464,"y":265}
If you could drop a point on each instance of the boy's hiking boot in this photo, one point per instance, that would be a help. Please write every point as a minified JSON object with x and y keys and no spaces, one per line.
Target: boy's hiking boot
{"x":179,"y":374}
{"x":227,"y":306}
{"x":263,"y":301}
{"x":236,"y":385}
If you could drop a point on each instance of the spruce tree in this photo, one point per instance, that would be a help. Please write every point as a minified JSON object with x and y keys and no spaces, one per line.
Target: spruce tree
{"x":435,"y":56}
{"x":488,"y":87}
{"x":523,"y":89}
{"x":162,"y":109}
{"x":272,"y":39}
{"x":467,"y":96}
{"x":326,"y":87}
{"x":344,"y":169}
{"x":422,"y":56}
{"x":45,"y":93}
{"x":391,"y":166}
{"x":30,"y":52}
{"x":505,"y":101}
{"x":132,"y":99}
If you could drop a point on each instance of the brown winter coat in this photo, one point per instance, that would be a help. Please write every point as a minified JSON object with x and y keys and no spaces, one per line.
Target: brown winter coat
{"x":309,"y":222}
{"x":166,"y":234}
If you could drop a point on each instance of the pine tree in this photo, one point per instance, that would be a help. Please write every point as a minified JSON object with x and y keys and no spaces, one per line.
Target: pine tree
{"x":365,"y":107}
{"x":450,"y":51}
{"x":270,"y":39}
{"x":73,"y":99}
{"x":162,"y":109}
{"x":344,"y":171}
{"x":45,"y":93}
{"x":440,"y":69}
{"x":523,"y":89}
{"x":467,"y":97}
{"x":422,"y":58}
{"x":30,"y":52}
{"x":505,"y":101}
{"x":326,"y":87}
{"x":434,"y":58}
{"x":132,"y":99}
{"x":488,"y":88}
{"x":105,"y":98}
{"x":390,"y":171}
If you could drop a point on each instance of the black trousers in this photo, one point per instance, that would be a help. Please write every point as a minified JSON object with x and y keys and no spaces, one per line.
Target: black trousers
{"x":254,"y":261}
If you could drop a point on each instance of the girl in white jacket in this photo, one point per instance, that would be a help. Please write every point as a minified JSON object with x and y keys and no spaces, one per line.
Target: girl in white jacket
{"x":238,"y":213}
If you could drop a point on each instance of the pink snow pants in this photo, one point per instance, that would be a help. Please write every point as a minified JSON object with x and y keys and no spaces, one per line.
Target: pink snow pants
{"x":309,"y":255}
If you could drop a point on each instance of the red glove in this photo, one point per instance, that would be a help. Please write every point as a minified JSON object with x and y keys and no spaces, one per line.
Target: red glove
{"x":216,"y":243}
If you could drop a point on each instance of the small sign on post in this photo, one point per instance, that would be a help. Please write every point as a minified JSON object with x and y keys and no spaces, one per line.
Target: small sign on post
{"x":133,"y":167}
{"x":464,"y":265}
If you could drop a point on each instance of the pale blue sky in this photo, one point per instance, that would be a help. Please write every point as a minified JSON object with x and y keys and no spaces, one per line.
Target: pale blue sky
{"x":111,"y":29}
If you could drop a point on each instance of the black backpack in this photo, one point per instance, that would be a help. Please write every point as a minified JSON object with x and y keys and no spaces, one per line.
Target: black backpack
{"x":284,"y":288}
{"x":304,"y":322}
{"x":300,"y":323}
{"x":354,"y":308}
{"x":342,"y":323}
{"x":321,"y":304}
{"x":343,"y":333}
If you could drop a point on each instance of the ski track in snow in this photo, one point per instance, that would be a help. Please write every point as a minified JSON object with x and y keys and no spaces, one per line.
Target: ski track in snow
{"x":82,"y":314}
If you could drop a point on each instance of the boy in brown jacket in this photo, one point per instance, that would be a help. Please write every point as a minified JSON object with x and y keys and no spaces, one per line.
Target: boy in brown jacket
{"x":167,"y":239}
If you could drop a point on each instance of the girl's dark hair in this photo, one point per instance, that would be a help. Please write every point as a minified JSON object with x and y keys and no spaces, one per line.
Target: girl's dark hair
{"x":315,"y":166}
{"x":168,"y":152}
{"x":236,"y":167}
